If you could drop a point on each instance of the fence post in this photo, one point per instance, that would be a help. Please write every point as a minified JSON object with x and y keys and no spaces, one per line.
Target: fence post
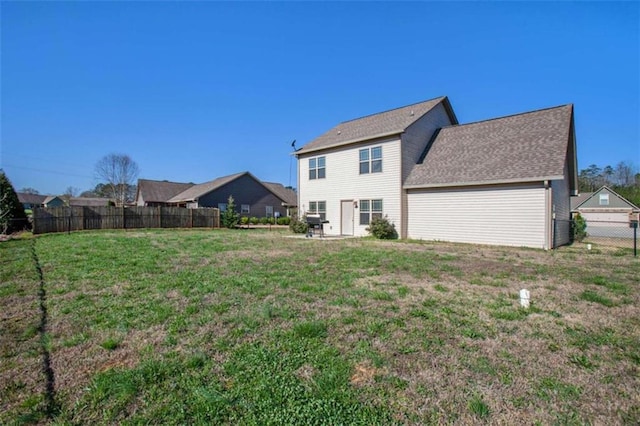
{"x":635,"y":240}
{"x":69,"y":221}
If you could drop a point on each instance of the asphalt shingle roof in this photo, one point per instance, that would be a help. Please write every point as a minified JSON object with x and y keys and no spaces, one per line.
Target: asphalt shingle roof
{"x":201,"y":189}
{"x":285,"y":194}
{"x":517,"y":148}
{"x":160,"y":191}
{"x":23,"y":197}
{"x":376,"y":125}
{"x":579,"y":199}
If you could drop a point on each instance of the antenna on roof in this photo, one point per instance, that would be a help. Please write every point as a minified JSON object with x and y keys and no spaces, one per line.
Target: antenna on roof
{"x":293,"y":145}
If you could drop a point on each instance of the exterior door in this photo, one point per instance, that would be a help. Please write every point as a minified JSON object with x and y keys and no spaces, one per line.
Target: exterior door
{"x":346,"y":222}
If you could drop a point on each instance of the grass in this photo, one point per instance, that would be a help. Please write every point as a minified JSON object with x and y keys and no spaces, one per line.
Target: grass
{"x":224,"y":327}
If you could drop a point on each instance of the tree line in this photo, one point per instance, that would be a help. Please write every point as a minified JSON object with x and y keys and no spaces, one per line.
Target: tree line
{"x":624,"y":178}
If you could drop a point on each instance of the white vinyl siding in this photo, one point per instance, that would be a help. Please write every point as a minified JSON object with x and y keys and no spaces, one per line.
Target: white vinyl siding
{"x":346,"y":183}
{"x":510,"y":216}
{"x":415,"y":139}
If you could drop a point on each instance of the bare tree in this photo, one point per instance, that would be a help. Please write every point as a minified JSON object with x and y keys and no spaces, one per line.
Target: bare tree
{"x":118,"y":172}
{"x":624,"y":174}
{"x":30,"y":190}
{"x":71,"y":191}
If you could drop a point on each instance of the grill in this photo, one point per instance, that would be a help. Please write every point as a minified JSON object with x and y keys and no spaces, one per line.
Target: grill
{"x":315,"y":225}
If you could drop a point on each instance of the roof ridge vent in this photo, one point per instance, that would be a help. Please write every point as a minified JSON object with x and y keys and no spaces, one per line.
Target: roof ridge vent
{"x":412,"y":113}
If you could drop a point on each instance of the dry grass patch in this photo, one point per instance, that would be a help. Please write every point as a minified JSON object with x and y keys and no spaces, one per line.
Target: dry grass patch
{"x":225,"y":327}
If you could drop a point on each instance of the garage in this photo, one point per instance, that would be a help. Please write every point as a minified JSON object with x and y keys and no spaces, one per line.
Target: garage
{"x":510,"y":215}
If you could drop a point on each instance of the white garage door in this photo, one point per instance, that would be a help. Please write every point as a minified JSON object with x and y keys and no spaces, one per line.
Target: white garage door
{"x":617,"y":217}
{"x":512,"y":216}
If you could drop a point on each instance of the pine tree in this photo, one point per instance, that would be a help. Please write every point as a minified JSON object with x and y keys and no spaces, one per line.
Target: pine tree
{"x":12,"y":215}
{"x":230,"y":218}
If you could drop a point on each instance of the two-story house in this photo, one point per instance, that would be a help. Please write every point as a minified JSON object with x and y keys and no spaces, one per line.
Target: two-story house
{"x":504,"y":181}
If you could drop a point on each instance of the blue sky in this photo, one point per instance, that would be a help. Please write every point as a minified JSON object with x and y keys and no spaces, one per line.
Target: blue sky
{"x":197,"y":90}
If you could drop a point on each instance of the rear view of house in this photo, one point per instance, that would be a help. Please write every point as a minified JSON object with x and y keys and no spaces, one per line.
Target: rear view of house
{"x":606,"y":212}
{"x":504,"y":181}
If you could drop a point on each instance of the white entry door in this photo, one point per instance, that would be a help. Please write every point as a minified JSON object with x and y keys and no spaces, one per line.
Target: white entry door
{"x":346,"y":223}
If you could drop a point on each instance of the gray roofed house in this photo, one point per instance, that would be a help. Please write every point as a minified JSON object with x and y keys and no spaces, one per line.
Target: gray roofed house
{"x":30,"y":201}
{"x":504,"y":181}
{"x":252,"y":196}
{"x":158,"y":192}
{"x":607,"y":213}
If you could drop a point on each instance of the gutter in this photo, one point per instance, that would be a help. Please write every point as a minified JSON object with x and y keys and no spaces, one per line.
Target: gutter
{"x":486,"y":182}
{"x":349,"y":142}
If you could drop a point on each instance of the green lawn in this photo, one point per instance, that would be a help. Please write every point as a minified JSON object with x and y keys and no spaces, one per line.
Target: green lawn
{"x":253,"y":327}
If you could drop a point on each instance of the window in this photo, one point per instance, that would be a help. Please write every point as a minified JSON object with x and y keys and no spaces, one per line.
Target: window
{"x":245,"y":209}
{"x":222,"y":207}
{"x":317,"y":168}
{"x":269,"y":211}
{"x":318,"y":207}
{"x":604,"y":199}
{"x":370,"y":209}
{"x":371,"y":160}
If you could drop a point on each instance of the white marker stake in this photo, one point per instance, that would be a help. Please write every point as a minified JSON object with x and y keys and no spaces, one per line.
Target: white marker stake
{"x":524,"y":298}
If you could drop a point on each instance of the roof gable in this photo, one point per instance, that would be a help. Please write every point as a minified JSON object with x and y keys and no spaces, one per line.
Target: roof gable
{"x":615,"y":201}
{"x":373,"y":126}
{"x":530,"y":146}
{"x":197,"y":191}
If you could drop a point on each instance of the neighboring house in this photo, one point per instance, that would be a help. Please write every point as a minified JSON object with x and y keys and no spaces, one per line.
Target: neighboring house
{"x":90,"y":202}
{"x":251,"y":196}
{"x":504,"y":181}
{"x":30,"y":201}
{"x":157,"y":193}
{"x":606,"y":213}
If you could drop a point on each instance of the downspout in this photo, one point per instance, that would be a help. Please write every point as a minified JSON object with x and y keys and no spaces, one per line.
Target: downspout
{"x":548,"y":221}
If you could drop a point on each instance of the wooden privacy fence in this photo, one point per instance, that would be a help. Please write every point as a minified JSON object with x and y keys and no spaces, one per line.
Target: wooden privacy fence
{"x":66,"y":219}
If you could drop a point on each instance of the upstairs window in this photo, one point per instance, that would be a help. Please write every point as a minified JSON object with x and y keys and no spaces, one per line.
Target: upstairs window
{"x":370,"y":209}
{"x":604,"y":199}
{"x":371,"y":160}
{"x":318,"y":207}
{"x":317,"y":168}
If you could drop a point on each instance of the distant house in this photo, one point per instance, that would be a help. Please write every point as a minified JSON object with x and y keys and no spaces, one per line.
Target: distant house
{"x":90,"y":202}
{"x":31,"y":201}
{"x":158,"y":192}
{"x":503,"y":181}
{"x":251,"y":196}
{"x":606,"y":212}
